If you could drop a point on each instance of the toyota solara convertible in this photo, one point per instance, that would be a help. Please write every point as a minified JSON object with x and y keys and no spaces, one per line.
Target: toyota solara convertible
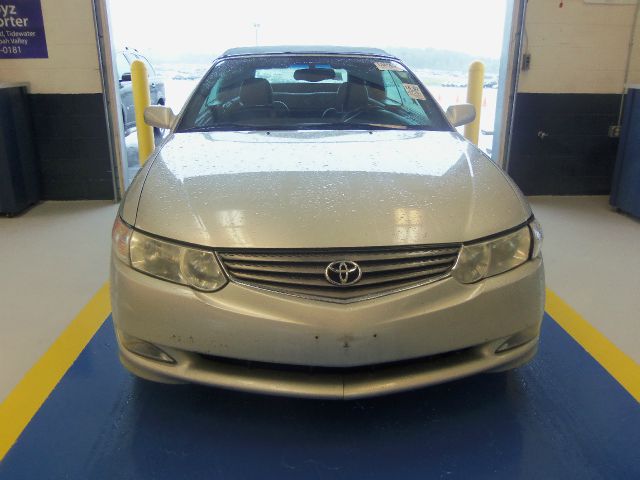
{"x":313,"y":225}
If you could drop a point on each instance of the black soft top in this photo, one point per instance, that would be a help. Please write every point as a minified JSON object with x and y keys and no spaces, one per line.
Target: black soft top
{"x":306,"y":49}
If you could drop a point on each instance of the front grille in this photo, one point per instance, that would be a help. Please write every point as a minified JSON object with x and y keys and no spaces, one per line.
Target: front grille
{"x":302,"y":272}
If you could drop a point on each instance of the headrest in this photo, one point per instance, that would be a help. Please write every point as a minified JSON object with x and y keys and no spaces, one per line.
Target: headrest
{"x":256,"y":92}
{"x":341,"y":95}
{"x":356,"y":96}
{"x":376,"y":92}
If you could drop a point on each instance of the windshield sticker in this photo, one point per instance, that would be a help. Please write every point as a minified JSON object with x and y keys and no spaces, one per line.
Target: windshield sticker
{"x":414,"y":91}
{"x":394,"y":67}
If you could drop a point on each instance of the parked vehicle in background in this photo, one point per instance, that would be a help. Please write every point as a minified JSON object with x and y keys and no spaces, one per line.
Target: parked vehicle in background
{"x":124,"y":59}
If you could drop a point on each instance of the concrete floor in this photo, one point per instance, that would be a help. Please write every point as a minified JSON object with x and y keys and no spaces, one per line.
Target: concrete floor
{"x":592,"y":261}
{"x":55,"y":257}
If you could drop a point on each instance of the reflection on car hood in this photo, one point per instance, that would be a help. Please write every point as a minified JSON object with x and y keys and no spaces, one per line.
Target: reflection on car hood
{"x":325,"y":189}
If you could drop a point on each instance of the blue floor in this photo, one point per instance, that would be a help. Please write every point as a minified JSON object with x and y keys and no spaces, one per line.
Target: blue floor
{"x":561,"y":416}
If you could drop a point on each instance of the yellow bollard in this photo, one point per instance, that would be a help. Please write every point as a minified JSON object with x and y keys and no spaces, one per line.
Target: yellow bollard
{"x":474,"y":97}
{"x":141,"y":100}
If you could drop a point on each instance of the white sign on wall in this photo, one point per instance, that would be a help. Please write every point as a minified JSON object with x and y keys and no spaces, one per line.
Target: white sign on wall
{"x":22,"y":29}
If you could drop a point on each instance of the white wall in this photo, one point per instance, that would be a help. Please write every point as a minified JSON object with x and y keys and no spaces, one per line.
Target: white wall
{"x":73,"y":65}
{"x":579,"y":48}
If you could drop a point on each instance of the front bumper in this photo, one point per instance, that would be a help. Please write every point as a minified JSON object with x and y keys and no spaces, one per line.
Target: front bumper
{"x":404,"y":334}
{"x":352,"y":384}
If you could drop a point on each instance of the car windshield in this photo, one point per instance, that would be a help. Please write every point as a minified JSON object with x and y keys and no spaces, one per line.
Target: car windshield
{"x":310,"y":92}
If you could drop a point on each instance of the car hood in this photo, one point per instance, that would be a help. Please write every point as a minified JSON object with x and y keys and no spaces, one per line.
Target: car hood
{"x":324,"y":189}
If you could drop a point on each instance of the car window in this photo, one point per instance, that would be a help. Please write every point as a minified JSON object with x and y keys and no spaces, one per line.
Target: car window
{"x":409,"y":94}
{"x":311,"y":92}
{"x":122,"y":65}
{"x":285,"y":75}
{"x":390,"y":87}
{"x":150,"y":70}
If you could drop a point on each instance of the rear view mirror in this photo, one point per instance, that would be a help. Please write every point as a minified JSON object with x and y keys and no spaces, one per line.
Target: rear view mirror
{"x":159,"y":116}
{"x":126,"y":77}
{"x":314,"y":74}
{"x":461,"y":114}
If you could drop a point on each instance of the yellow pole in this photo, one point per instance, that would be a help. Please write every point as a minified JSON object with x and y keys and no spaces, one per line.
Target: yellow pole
{"x":141,"y":100}
{"x":474,"y":97}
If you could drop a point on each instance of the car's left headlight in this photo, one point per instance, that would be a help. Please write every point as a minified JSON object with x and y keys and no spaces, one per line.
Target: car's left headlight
{"x":170,"y":261}
{"x":498,"y":255}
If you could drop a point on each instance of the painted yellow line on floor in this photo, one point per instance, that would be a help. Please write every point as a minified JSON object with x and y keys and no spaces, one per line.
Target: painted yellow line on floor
{"x":615,"y":361}
{"x":17,"y":410}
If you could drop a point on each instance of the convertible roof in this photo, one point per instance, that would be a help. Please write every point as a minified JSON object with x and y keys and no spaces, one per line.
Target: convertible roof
{"x":315,"y":49}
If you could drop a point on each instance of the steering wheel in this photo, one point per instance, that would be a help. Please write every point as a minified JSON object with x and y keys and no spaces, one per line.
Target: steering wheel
{"x":281,"y":108}
{"x":360,"y":111}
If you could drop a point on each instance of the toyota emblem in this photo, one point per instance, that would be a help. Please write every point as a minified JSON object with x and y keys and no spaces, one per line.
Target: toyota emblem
{"x":343,"y":273}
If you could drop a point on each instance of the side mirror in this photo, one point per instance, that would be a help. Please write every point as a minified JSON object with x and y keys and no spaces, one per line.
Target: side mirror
{"x":159,"y":116}
{"x":126,"y":77}
{"x":461,"y":114}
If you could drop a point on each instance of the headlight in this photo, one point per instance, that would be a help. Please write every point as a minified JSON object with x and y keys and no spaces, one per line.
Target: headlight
{"x":166,"y":260}
{"x":120,"y":236}
{"x":537,"y":236}
{"x":176,"y":263}
{"x":486,"y":259}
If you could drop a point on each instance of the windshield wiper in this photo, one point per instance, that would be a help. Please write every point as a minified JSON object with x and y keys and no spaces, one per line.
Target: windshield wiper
{"x":228,"y":126}
{"x":363,"y":126}
{"x":366,"y":126}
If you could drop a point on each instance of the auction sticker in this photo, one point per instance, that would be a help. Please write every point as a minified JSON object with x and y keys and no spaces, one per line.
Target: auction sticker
{"x":22,"y":29}
{"x":414,"y":91}
{"x":394,"y":67}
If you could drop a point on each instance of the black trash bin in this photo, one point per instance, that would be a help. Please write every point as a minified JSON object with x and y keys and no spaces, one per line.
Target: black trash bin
{"x":19,"y":175}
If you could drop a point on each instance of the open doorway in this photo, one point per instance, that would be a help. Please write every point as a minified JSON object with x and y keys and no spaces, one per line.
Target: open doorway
{"x":438,"y":41}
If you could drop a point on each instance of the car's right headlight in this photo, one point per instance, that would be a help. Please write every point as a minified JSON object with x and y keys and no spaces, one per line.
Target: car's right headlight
{"x":498,"y":255}
{"x":166,"y":260}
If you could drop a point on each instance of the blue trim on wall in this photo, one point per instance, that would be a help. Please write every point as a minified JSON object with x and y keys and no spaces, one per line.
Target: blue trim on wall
{"x":625,"y":192}
{"x":561,"y":416}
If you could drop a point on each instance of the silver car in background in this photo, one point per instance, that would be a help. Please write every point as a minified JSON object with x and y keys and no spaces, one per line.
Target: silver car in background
{"x":314,"y":226}
{"x":157,"y":95}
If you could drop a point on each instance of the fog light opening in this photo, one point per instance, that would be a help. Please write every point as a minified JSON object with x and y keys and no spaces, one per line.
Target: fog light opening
{"x":144,"y":349}
{"x":518,"y":339}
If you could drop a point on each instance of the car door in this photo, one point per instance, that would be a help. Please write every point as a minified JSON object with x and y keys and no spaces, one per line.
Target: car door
{"x":126,"y":94}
